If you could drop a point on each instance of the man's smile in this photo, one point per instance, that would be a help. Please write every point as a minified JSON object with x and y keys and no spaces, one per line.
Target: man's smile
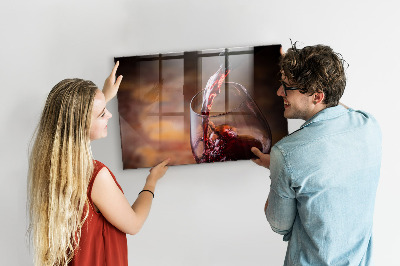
{"x":286,"y":103}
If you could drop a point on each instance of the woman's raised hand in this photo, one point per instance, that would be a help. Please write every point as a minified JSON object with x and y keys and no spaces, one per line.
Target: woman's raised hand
{"x":111,"y":85}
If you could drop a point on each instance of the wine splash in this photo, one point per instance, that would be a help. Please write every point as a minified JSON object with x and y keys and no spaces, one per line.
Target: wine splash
{"x":227,"y":136}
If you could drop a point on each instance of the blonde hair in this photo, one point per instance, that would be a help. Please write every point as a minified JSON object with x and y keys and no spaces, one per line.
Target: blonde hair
{"x":60,"y":167}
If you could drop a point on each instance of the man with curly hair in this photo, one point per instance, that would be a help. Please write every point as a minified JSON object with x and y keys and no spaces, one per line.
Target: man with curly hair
{"x":324,"y":176}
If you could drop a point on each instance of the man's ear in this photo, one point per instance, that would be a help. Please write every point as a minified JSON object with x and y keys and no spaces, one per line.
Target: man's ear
{"x":318,"y":97}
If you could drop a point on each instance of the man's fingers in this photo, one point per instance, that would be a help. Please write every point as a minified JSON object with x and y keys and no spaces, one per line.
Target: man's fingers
{"x":257,"y":152}
{"x":257,"y":161}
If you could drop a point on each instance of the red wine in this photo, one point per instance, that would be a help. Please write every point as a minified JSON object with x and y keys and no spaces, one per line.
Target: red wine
{"x":213,"y":88}
{"x":224,"y":144}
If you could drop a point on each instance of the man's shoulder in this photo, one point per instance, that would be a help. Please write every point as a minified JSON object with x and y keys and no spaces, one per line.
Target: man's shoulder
{"x":361,"y":121}
{"x":292,"y":142}
{"x":323,"y":130}
{"x":367,"y":117}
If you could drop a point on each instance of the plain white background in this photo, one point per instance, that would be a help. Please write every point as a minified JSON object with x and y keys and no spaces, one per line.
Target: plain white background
{"x":202,"y":214}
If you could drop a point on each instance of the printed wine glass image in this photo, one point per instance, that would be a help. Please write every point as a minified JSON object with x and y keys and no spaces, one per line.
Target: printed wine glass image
{"x":200,"y":106}
{"x":229,"y":135}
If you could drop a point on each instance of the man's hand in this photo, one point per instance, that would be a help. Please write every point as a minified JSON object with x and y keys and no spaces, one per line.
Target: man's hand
{"x":263,"y":159}
{"x":345,"y":106}
{"x":266,"y":206}
{"x":111,"y":86}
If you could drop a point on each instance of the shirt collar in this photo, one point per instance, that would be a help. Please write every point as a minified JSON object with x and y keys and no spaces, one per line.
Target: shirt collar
{"x":326,"y":114}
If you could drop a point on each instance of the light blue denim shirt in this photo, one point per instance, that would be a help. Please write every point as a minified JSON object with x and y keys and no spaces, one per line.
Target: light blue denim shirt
{"x":323,"y":183}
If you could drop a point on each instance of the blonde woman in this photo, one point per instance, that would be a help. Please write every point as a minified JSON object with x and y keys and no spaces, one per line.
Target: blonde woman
{"x":78,"y":212}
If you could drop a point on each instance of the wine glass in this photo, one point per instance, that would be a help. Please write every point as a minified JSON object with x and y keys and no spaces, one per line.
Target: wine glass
{"x":228,"y":135}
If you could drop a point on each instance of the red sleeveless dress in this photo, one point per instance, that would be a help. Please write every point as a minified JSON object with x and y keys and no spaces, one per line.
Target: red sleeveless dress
{"x":101,"y":243}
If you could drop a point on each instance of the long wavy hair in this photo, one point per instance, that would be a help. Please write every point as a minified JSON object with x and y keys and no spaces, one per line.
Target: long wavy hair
{"x":60,"y":167}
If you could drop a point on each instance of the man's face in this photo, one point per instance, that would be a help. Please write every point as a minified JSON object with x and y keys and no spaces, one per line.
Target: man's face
{"x":297,"y":105}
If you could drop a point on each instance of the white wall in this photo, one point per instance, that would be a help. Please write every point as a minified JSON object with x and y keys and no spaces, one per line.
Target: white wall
{"x":207,"y":214}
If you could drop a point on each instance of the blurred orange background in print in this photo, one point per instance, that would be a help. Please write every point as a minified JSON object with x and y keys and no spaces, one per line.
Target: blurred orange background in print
{"x":155,"y":94}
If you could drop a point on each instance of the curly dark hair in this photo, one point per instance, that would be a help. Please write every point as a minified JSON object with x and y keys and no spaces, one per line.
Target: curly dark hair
{"x":316,"y":69}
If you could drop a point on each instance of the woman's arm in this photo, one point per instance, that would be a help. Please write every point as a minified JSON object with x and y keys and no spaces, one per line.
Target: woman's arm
{"x":114,"y":206}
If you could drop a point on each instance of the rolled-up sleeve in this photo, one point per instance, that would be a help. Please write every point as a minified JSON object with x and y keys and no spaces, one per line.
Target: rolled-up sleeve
{"x":281,"y":210}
